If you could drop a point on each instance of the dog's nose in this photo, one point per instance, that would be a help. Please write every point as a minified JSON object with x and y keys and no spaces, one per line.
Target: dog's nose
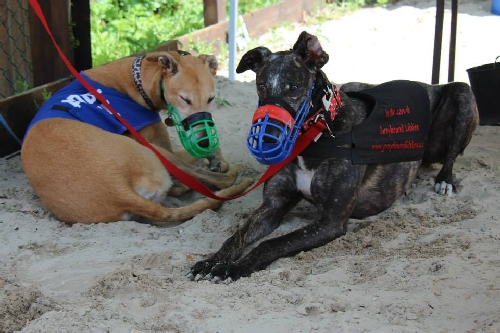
{"x":270,"y":139}
{"x":203,"y":143}
{"x":273,"y":131}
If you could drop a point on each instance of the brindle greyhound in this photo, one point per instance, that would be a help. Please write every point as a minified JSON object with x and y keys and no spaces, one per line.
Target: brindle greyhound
{"x":338,"y":188}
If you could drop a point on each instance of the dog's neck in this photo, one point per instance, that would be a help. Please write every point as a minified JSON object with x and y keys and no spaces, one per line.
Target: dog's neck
{"x":345,"y":118}
{"x":325,"y":103}
{"x":136,"y":75}
{"x":118,"y":75}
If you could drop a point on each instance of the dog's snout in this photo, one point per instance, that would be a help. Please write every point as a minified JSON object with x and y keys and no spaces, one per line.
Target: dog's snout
{"x":273,"y":131}
{"x":203,"y":143}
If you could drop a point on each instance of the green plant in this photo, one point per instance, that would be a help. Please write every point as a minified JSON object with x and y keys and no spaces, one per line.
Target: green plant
{"x":21,"y":86}
{"x":223,"y":57}
{"x":248,"y":6}
{"x":121,"y":28}
{"x":201,"y":47}
{"x":74,"y":43}
{"x":45,"y":96}
{"x":220,"y":101}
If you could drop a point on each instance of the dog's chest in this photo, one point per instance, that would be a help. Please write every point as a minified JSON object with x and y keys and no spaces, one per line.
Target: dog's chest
{"x":304,"y":178}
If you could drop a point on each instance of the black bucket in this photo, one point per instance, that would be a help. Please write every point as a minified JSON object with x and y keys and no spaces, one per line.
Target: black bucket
{"x":485,"y":83}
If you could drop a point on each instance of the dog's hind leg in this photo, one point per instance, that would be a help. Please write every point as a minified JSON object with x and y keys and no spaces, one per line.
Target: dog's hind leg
{"x":220,"y":180}
{"x":455,"y":120}
{"x":139,"y":205}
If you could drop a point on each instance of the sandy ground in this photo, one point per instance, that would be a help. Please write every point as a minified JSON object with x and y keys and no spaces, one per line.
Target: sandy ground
{"x":428,"y":264}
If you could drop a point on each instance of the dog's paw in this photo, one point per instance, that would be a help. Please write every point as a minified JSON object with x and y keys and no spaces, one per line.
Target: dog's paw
{"x":216,"y":165}
{"x":217,"y":272}
{"x":444,"y":188}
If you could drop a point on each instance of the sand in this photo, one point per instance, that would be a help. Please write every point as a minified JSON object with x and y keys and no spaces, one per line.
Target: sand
{"x":428,"y":264}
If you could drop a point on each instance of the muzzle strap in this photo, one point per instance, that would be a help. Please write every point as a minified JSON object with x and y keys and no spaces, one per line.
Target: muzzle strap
{"x":274,"y":130}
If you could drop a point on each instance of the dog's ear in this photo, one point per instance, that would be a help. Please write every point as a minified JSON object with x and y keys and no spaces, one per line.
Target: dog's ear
{"x":309,"y":49}
{"x":253,"y":59}
{"x":211,"y":62}
{"x":166,"y":61}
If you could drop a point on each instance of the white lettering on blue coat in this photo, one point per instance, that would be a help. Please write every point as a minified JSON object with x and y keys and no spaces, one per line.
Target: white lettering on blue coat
{"x":88,"y":98}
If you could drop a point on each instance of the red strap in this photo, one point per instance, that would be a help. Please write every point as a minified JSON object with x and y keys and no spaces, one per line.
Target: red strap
{"x":193,"y":183}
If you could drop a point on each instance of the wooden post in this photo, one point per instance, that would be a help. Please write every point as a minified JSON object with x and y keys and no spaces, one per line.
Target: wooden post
{"x":214,"y":11}
{"x":438,"y":38}
{"x":453,"y":40}
{"x":80,"y":19}
{"x":47,"y":65}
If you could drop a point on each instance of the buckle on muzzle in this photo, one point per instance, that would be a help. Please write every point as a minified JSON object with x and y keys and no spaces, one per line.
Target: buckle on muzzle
{"x":197,"y":132}
{"x":272,"y":135}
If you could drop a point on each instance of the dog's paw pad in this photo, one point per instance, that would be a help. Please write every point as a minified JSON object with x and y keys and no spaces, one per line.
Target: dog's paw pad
{"x":216,"y":168}
{"x":444,"y":188}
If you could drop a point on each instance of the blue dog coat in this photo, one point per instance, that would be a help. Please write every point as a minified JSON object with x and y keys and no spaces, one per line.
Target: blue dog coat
{"x":75,"y":102}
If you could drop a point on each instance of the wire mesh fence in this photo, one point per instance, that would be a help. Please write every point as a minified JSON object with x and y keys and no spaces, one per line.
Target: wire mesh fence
{"x":15,"y":57}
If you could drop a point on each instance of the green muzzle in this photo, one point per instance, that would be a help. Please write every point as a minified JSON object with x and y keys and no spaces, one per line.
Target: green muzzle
{"x":197,"y":132}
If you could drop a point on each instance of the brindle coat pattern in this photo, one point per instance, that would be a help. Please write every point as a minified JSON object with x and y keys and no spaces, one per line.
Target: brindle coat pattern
{"x":337,"y":188}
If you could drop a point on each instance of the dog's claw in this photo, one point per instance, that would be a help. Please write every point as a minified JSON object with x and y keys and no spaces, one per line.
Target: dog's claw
{"x":216,"y":168}
{"x":449,"y":190}
{"x":190,"y":276}
{"x":444,"y":189}
{"x":216,"y":279}
{"x":219,"y":271}
{"x":214,"y":164}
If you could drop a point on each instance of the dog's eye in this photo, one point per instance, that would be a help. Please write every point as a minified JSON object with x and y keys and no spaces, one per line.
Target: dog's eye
{"x":293,"y":88}
{"x":211,"y":99}
{"x":187,"y":100}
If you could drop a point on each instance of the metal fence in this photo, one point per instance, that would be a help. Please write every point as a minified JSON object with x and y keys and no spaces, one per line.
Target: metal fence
{"x":16,"y":67}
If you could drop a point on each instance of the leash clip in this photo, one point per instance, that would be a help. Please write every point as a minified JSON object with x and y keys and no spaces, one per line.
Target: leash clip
{"x":321,"y":116}
{"x":326,"y":99}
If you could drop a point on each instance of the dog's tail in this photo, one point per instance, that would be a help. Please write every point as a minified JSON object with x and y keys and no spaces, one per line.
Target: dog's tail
{"x":160,"y":215}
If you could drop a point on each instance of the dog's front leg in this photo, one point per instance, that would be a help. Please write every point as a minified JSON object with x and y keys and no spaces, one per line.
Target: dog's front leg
{"x":156,"y":134}
{"x":334,"y":189}
{"x":280,"y":196}
{"x":215,"y":163}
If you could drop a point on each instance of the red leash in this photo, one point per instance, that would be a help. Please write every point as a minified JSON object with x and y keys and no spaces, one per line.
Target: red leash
{"x":193,"y":183}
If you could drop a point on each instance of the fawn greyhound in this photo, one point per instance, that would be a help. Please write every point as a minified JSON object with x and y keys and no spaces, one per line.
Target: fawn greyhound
{"x":83,"y":163}
{"x":376,"y":139}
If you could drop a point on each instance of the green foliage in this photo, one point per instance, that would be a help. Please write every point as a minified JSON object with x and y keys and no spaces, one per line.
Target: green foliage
{"x":221,"y":101}
{"x":45,"y":96}
{"x":360,"y":3}
{"x":21,"y":86}
{"x":126,"y":27}
{"x":248,"y":6}
{"x":120,"y":28}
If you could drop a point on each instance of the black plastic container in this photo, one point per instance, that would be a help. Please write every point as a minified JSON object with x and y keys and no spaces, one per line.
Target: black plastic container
{"x":485,"y":83}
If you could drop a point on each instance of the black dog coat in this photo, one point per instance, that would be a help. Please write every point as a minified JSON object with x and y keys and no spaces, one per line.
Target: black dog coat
{"x":395,"y":130}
